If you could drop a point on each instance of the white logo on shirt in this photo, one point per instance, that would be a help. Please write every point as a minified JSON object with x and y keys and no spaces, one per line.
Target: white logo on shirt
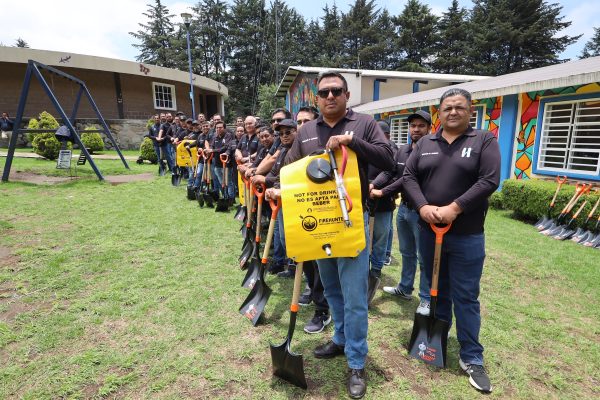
{"x":309,"y":139}
{"x":349,"y":133}
{"x":466,"y":152}
{"x":430,"y":154}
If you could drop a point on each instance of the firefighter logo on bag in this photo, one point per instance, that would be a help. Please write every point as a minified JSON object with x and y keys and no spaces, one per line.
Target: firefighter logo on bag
{"x":309,"y":223}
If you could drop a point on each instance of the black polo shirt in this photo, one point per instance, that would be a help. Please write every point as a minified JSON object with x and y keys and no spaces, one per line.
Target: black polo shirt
{"x":368,"y":142}
{"x":467,"y":172}
{"x":219,"y":145}
{"x":247,"y":145}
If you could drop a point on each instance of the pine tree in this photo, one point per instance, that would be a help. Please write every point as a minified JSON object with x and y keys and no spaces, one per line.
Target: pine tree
{"x":382,"y":54}
{"x":453,"y":40}
{"x":417,"y":36}
{"x":359,"y":34}
{"x":156,"y":37}
{"x":21,"y":43}
{"x":330,"y":40}
{"x":515,"y":35}
{"x":210,"y":38}
{"x":592,"y":47}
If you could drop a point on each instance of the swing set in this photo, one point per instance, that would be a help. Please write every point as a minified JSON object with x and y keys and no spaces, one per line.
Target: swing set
{"x":33,"y":69}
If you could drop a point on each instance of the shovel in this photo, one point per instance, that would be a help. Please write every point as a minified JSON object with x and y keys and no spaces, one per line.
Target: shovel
{"x":552,"y":227}
{"x":580,"y":234}
{"x":248,"y":246}
{"x":428,"y":341}
{"x":560,"y":180}
{"x":287,"y":365}
{"x":551,"y":231}
{"x":253,"y":273}
{"x":594,"y":236}
{"x":200,"y":191}
{"x":190,"y":191}
{"x":223,"y":203}
{"x":565,"y":232}
{"x":208,"y":199}
{"x":258,"y":297}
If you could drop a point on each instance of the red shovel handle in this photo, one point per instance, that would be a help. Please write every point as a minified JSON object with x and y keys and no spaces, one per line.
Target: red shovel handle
{"x":561,"y":179}
{"x":439,"y":231}
{"x":259,"y":190}
{"x":437,"y":254}
{"x":275,"y":206}
{"x":224,"y":158}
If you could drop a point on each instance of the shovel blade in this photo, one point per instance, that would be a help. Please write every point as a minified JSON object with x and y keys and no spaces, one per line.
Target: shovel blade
{"x":564,"y":234}
{"x":222,"y":205}
{"x":247,"y":252}
{"x":252,"y":274}
{"x":254,"y":305}
{"x":240,"y":214}
{"x":541,"y":222}
{"x":550,"y":224}
{"x":287,"y":365}
{"x":429,"y":340}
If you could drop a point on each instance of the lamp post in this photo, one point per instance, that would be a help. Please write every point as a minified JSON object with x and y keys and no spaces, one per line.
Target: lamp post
{"x":187,"y":19}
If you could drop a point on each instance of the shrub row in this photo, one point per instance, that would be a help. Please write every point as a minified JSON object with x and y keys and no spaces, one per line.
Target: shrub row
{"x":529,"y":199}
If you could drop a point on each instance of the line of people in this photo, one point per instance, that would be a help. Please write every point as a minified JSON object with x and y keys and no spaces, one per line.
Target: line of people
{"x":441,"y":177}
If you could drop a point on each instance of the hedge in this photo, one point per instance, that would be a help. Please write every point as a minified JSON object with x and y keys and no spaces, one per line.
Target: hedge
{"x":529,"y":199}
{"x":92,"y":140}
{"x":147,"y":151}
{"x":45,"y":121}
{"x":47,"y":146}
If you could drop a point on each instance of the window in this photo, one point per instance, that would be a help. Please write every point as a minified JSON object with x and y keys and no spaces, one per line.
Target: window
{"x":570,"y":138}
{"x":399,"y":130}
{"x":164,"y":96}
{"x":477,"y":117}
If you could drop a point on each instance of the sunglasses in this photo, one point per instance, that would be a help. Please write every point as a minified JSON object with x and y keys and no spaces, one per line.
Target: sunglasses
{"x":302,"y":121}
{"x":324,"y":93}
{"x":278,"y":120}
{"x":285,"y":133}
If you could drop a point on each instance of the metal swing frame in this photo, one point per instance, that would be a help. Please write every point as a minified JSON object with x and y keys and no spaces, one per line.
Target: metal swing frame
{"x":33,"y":69}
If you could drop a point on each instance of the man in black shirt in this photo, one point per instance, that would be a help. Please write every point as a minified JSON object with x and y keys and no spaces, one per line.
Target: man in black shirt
{"x":407,"y":218}
{"x":345,"y":278}
{"x":219,"y":145}
{"x":448,"y":179}
{"x":164,"y":141}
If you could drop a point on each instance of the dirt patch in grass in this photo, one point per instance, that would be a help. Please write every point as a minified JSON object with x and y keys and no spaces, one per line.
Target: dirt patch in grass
{"x":28,"y":177}
{"x":7,"y":258}
{"x":119,"y":179}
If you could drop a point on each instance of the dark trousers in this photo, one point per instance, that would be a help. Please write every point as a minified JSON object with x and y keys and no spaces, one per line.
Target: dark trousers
{"x":311,"y":270}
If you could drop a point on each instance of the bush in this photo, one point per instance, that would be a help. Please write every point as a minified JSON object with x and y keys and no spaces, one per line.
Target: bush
{"x":496,"y":201}
{"x":529,"y":199}
{"x":46,"y":145}
{"x":92,"y":140}
{"x":45,"y":121}
{"x":147,"y":151}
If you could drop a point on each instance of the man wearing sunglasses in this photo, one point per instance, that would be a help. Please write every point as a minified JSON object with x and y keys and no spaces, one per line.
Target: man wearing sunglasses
{"x":345,"y":278}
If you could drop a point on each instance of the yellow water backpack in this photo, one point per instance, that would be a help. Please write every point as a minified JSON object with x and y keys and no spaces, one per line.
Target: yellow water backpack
{"x":312,"y":215}
{"x":183,"y":155}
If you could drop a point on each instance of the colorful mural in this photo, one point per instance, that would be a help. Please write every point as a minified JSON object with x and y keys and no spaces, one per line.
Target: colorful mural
{"x":303,"y":93}
{"x":530,"y":103}
{"x":493,"y":110}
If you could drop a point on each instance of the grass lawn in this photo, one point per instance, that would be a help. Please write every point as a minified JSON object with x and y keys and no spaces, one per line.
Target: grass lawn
{"x":107,"y":167}
{"x":131,"y":291}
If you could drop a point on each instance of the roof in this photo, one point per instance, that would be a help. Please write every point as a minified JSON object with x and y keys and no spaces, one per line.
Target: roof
{"x":73,"y":60}
{"x":293,"y":71}
{"x":578,"y":72}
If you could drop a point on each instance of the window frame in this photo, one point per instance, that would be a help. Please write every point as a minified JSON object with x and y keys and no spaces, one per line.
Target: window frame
{"x":479,"y":110}
{"x":173,"y":96}
{"x":548,"y":171}
{"x":402,"y":118}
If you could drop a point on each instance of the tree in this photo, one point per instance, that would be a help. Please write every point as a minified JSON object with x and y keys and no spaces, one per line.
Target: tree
{"x":453,"y":40}
{"x":21,"y":43}
{"x":417,"y":36}
{"x":359,"y":34}
{"x":515,"y":35}
{"x":267,"y":102}
{"x":330,"y":40}
{"x":592,"y":47}
{"x":157,"y":37}
{"x":210,"y":32}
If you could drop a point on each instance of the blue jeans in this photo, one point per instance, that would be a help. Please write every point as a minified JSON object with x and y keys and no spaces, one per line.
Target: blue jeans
{"x":381,"y":231}
{"x":199,"y":170}
{"x":232,"y":180}
{"x":166,"y":153}
{"x":217,"y":178}
{"x":407,"y":224}
{"x":345,"y":282}
{"x":388,"y":250}
{"x":279,"y":257}
{"x":460,"y":273}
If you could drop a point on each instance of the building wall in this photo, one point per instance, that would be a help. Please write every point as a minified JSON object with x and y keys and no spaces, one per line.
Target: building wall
{"x":527,"y":124}
{"x":393,"y":88}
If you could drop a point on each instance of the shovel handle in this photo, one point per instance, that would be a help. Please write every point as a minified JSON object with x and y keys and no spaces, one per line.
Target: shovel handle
{"x":560,"y":180}
{"x":270,"y":232}
{"x":591,"y":214}
{"x":437,"y":255}
{"x":297,"y":286}
{"x":259,"y":190}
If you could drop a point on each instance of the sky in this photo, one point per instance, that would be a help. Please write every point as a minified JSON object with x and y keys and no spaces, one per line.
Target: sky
{"x":102,"y":28}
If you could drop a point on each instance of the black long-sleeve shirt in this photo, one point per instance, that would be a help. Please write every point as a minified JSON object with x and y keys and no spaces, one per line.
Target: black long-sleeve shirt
{"x":368,"y":142}
{"x":467,"y":172}
{"x":219,"y":145}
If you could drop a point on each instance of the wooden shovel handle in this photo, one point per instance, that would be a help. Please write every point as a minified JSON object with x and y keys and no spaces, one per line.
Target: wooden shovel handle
{"x":297,"y":286}
{"x":560,"y":181}
{"x":437,"y":256}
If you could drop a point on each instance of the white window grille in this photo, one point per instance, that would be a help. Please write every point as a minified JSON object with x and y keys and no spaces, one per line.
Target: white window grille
{"x":164,"y":96}
{"x":399,"y":130}
{"x":570,"y":139}
{"x":473,"y":120}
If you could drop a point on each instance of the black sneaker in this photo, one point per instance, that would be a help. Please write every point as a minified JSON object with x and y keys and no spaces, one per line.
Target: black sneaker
{"x":287,"y":274}
{"x":478,"y":377}
{"x":317,"y":323}
{"x":275,"y":269}
{"x":305,"y":298}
